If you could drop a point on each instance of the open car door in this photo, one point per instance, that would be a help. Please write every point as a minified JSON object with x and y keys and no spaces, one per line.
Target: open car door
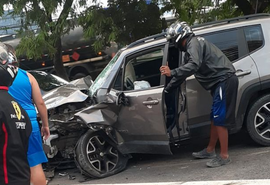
{"x":175,"y":102}
{"x":141,"y":125}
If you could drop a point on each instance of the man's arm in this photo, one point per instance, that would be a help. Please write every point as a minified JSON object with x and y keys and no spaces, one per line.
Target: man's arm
{"x":41,"y":107}
{"x":194,"y":58}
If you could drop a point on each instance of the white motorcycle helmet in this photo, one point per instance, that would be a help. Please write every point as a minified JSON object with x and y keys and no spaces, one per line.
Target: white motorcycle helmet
{"x":8,"y":66}
{"x":177,"y":32}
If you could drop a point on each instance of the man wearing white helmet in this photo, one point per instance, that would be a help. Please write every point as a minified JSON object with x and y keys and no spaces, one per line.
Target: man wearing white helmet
{"x":15,"y":127}
{"x":214,"y":72}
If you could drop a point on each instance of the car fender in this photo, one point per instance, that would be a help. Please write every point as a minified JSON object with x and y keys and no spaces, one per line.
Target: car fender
{"x":265,"y":84}
{"x":244,"y":102}
{"x":97,"y":116}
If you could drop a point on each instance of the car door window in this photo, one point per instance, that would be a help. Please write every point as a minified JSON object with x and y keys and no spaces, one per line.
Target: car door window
{"x":254,"y":37}
{"x":141,"y":71}
{"x":227,"y":42}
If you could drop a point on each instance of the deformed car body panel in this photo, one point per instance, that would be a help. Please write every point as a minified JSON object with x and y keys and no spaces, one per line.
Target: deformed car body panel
{"x":99,"y":114}
{"x":63,"y":95}
{"x":83,"y":83}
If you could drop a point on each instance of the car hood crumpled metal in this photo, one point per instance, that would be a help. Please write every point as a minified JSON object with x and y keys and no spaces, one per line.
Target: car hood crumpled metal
{"x":69,"y":93}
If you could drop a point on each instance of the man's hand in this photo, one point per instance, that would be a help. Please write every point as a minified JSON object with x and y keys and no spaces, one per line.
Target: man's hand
{"x":165,"y":70}
{"x":45,"y":132}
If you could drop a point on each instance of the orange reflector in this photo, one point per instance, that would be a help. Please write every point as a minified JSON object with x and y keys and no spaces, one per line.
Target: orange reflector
{"x":99,"y":53}
{"x":43,"y":64}
{"x":65,"y":58}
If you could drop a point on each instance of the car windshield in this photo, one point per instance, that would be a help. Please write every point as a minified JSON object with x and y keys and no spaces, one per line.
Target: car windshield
{"x":47,"y":81}
{"x":102,"y":77}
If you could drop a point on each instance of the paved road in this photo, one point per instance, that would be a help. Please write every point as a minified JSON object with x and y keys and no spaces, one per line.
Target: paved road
{"x":249,"y":161}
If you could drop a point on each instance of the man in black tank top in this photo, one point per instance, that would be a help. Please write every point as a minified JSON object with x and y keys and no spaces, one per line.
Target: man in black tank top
{"x":15,"y":127}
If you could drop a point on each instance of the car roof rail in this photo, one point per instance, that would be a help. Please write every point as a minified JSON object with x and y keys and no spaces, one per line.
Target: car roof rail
{"x":147,"y":39}
{"x":227,"y":21}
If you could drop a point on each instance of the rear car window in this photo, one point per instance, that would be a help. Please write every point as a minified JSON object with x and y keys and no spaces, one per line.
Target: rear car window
{"x":227,"y":42}
{"x":254,"y":37}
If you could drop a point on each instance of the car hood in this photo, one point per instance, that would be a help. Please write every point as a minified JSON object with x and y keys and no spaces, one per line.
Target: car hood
{"x":83,"y":83}
{"x":69,"y":93}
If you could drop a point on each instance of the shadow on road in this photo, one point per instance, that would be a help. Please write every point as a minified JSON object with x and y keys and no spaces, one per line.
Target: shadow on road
{"x":160,"y":168}
{"x":185,"y":149}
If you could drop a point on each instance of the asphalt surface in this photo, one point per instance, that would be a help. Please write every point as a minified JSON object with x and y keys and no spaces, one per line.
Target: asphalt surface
{"x":249,"y":161}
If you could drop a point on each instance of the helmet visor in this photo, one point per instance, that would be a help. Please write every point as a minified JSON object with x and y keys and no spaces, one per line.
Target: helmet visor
{"x":3,"y":56}
{"x":12,"y":60}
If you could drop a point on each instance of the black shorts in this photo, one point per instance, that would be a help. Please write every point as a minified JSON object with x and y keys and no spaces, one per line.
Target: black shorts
{"x":224,"y":101}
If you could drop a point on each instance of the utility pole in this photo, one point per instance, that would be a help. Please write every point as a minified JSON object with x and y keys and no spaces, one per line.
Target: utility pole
{"x":217,"y":3}
{"x":216,"y":6}
{"x":256,"y":7}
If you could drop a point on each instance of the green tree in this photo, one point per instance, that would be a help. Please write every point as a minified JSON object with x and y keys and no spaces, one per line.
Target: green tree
{"x":48,"y":36}
{"x":248,"y":7}
{"x":223,"y":10}
{"x":235,"y":8}
{"x":190,"y":11}
{"x":123,"y":21}
{"x":198,"y":11}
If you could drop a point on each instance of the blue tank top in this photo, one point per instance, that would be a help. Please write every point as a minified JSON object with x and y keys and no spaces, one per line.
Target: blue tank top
{"x":21,"y":90}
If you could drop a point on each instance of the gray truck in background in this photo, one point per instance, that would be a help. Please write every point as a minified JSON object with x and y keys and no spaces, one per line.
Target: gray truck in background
{"x":78,"y":55}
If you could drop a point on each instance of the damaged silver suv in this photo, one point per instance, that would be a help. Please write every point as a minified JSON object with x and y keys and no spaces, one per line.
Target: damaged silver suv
{"x":126,"y":110}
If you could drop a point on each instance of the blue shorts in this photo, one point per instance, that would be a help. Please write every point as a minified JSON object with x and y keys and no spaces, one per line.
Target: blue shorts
{"x":224,"y":101}
{"x":35,"y":152}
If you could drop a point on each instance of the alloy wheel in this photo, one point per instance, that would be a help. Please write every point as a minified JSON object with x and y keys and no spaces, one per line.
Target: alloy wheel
{"x":102,"y":156}
{"x":262,"y":121}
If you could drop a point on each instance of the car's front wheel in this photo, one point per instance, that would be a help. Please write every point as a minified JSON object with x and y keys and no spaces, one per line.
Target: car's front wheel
{"x":258,"y":121}
{"x":96,"y":157}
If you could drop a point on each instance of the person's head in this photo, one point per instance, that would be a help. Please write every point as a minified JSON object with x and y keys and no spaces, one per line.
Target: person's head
{"x":12,"y":52}
{"x":8,"y":66}
{"x":178,"y":32}
{"x":10,"y":48}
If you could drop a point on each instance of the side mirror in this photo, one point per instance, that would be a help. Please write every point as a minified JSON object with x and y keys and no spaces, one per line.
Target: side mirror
{"x":88,"y":80}
{"x":103,"y":96}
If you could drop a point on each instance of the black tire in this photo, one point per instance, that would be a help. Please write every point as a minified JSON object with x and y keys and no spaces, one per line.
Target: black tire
{"x":258,"y":121}
{"x":96,"y":157}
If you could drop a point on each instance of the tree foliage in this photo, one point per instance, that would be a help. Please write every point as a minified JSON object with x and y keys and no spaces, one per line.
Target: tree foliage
{"x":248,"y":7}
{"x":234,"y":8}
{"x":48,"y":36}
{"x":224,"y":11}
{"x":123,"y":21}
{"x":188,"y":10}
{"x":198,"y":11}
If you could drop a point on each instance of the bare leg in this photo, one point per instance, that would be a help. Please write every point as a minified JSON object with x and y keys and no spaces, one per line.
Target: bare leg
{"x":223,"y":139}
{"x":37,"y":175}
{"x":213,"y":138}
